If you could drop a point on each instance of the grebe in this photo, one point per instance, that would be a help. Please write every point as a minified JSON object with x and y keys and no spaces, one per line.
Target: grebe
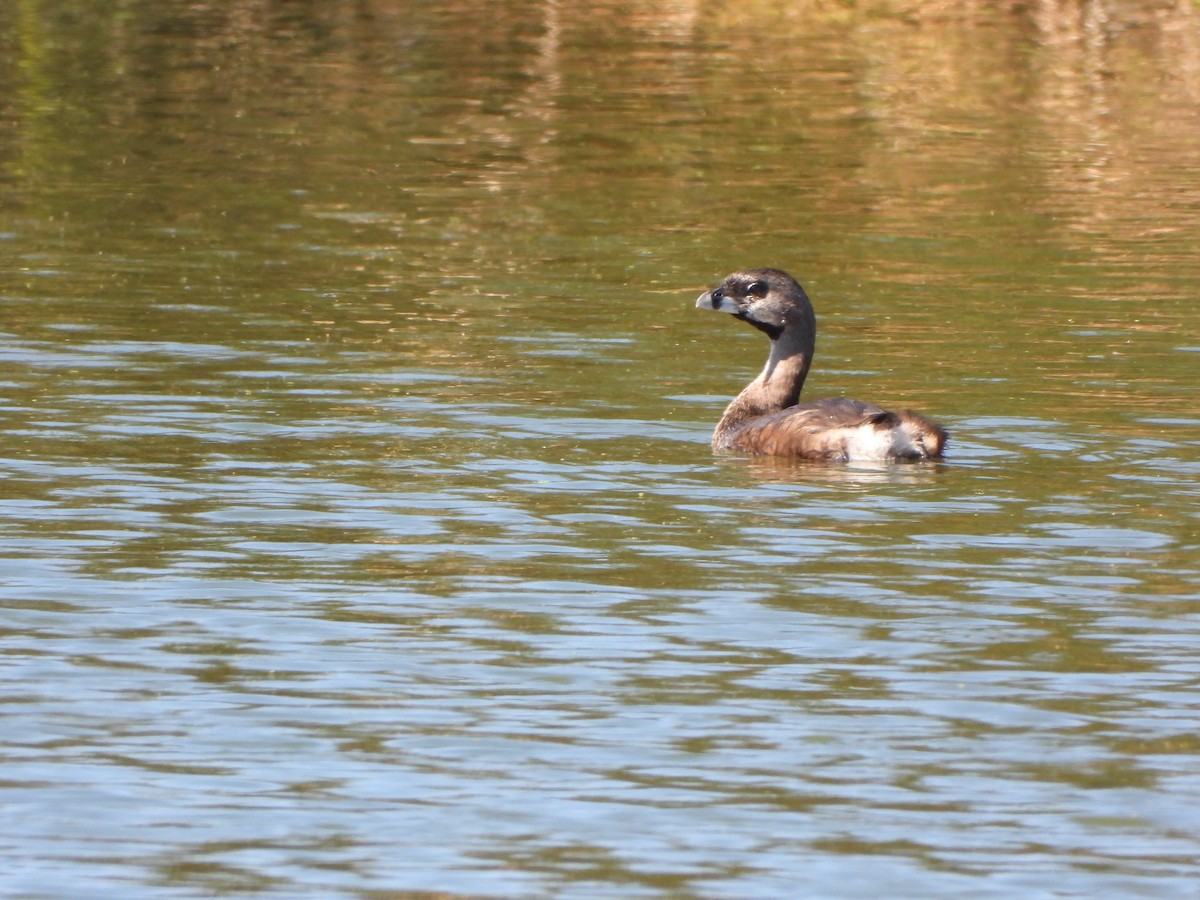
{"x":767,"y":418}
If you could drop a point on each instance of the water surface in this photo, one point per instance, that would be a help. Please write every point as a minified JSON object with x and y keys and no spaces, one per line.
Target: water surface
{"x":360,"y":529}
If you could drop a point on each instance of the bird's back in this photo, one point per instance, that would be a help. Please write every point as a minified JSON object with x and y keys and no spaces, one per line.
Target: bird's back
{"x":840,"y":430}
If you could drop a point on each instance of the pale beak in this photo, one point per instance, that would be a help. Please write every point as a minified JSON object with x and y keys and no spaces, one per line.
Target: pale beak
{"x":724,"y":304}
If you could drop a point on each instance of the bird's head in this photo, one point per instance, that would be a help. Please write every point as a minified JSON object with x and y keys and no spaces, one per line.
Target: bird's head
{"x":769,"y":299}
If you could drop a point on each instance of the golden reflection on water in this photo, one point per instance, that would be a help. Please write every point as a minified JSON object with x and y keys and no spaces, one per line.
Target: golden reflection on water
{"x":357,"y":426}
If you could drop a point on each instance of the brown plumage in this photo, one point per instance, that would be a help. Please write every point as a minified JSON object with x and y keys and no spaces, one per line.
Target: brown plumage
{"x":767,"y":418}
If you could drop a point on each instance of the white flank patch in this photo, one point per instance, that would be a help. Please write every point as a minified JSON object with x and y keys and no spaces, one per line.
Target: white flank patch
{"x":867,"y":443}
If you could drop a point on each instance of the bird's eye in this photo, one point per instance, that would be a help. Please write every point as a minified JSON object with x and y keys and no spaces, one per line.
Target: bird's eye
{"x":757,"y":289}
{"x":717,"y":296}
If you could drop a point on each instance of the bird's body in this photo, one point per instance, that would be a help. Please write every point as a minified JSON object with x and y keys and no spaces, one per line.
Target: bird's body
{"x":767,"y":417}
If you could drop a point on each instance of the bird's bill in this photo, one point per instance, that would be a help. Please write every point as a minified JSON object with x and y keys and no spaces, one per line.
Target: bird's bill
{"x":721,"y":304}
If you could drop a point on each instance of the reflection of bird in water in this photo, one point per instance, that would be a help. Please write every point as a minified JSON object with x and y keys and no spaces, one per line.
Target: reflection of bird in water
{"x":767,"y":418}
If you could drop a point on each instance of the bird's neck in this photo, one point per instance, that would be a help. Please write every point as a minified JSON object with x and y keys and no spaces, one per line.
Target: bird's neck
{"x":775,"y":389}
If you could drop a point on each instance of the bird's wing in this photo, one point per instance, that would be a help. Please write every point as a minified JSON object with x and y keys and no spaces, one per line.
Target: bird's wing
{"x":817,"y":429}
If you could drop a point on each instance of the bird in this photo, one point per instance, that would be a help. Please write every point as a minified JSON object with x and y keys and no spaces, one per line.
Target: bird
{"x":767,"y":417}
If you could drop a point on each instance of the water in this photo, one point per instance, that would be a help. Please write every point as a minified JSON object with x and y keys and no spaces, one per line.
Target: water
{"x":361,"y":533}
